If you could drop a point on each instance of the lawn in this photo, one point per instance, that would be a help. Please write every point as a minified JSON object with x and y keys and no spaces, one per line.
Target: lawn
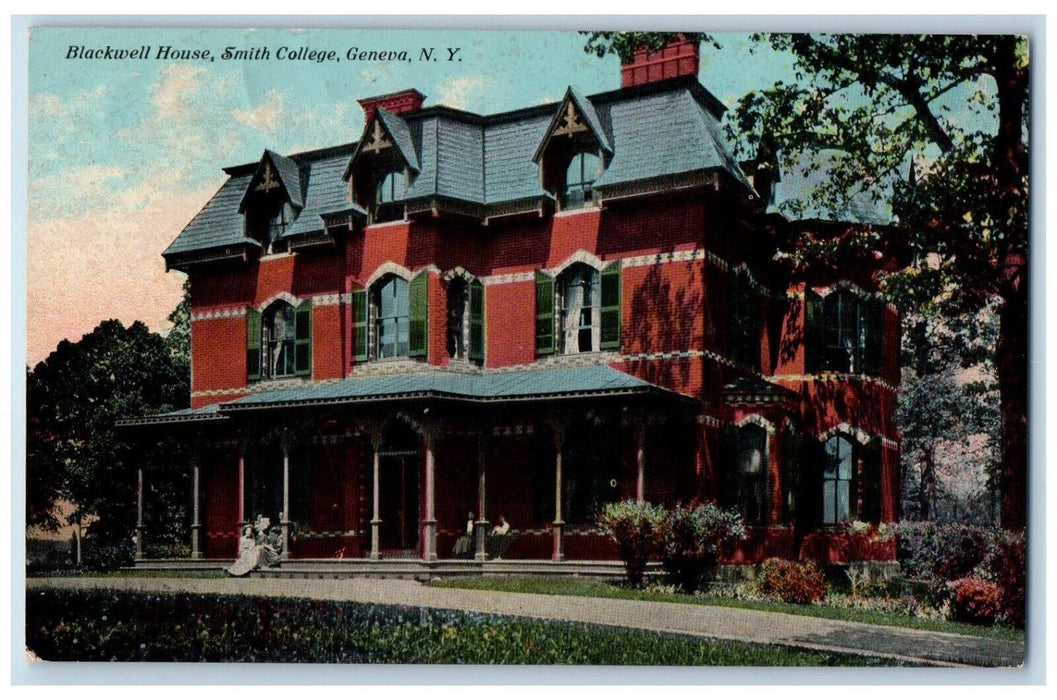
{"x":119,"y":626}
{"x":598,"y":589}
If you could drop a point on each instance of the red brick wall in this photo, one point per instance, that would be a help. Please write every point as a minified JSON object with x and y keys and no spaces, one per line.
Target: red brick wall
{"x":510,"y":336}
{"x":218,"y":350}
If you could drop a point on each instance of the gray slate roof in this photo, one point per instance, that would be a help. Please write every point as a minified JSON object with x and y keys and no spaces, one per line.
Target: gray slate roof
{"x":494,"y":386}
{"x":654,"y":131}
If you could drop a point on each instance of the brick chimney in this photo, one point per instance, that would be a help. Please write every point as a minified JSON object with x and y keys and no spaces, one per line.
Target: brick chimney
{"x":395,"y":102}
{"x":678,"y":57}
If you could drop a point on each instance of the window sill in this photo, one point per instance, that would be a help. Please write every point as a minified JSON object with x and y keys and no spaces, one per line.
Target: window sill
{"x":258,"y":385}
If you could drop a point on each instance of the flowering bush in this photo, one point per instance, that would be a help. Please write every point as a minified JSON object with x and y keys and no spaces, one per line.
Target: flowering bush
{"x":792,"y":581}
{"x":694,"y":536}
{"x":638,"y":529}
{"x":1007,"y":566}
{"x":976,"y":600}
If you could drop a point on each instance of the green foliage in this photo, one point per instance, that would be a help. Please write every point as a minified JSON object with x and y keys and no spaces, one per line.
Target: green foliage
{"x":122,"y":626}
{"x":638,"y":529}
{"x":74,"y":452}
{"x":934,"y":130}
{"x":792,"y":581}
{"x":940,"y":552}
{"x":1007,"y":565}
{"x":624,"y":44}
{"x":694,"y":537}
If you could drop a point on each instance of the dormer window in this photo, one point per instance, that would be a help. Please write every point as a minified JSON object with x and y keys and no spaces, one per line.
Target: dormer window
{"x":581,"y":174}
{"x":573,"y":152}
{"x":390,"y":190}
{"x":280,"y":222}
{"x":272,"y":201}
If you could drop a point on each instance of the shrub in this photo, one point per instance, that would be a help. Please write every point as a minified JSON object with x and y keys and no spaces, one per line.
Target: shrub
{"x":99,"y":556}
{"x":694,"y":536}
{"x":976,"y":600}
{"x":1007,"y":566}
{"x":793,"y":581}
{"x":940,"y":552}
{"x":638,"y":530}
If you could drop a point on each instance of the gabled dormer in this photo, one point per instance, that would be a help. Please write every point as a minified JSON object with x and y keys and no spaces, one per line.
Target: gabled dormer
{"x":573,"y":153}
{"x":383,"y":164}
{"x":272,"y":200}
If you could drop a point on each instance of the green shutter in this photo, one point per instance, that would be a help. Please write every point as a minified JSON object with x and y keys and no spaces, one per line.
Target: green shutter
{"x":253,"y":344}
{"x":303,"y":339}
{"x":610,"y":308}
{"x":418,"y":312}
{"x":476,"y":321}
{"x":359,"y":325}
{"x":544,"y":314}
{"x":813,"y":350}
{"x":873,"y":317}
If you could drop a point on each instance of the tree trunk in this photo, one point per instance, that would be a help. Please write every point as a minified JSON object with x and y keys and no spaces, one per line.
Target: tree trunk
{"x":1011,"y":358}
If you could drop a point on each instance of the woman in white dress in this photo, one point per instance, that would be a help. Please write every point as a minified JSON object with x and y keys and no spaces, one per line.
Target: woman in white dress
{"x":249,"y":554}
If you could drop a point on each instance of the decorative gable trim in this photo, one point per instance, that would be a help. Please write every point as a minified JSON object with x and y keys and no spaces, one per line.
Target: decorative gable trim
{"x":575,"y":115}
{"x":275,"y":171}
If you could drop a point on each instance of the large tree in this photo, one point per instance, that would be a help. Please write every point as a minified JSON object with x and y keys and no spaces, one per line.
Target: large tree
{"x":74,"y":453}
{"x":937,"y":127}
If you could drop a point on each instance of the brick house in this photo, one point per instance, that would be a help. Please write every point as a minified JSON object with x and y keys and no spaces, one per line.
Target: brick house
{"x":529,"y":314}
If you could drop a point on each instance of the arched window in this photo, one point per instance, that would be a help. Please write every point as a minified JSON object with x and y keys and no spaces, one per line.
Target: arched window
{"x":836,"y":480}
{"x":580,"y":312}
{"x":844,"y":333}
{"x":392,"y":318}
{"x":583,"y":170}
{"x":751,"y":477}
{"x":279,"y":339}
{"x":458,"y":318}
{"x":389,"y":192}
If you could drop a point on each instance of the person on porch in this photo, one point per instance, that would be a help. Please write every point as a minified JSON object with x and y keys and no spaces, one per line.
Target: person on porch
{"x":502,"y":527}
{"x":249,"y":554}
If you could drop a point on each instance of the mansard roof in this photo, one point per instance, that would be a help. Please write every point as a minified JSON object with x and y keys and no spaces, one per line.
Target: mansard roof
{"x":652,"y":131}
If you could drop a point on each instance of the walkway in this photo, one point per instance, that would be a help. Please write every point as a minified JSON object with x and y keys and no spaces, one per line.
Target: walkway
{"x":917,"y":646}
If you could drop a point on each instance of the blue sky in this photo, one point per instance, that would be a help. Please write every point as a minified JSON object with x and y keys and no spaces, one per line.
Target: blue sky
{"x":122,"y":153}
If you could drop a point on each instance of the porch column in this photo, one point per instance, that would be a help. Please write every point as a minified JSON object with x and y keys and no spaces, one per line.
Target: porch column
{"x":429,"y":525}
{"x":284,"y":517}
{"x":139,"y":513}
{"x":480,"y":528}
{"x":376,"y":520}
{"x":196,"y":526}
{"x":860,"y":474}
{"x":640,"y":461}
{"x":558,"y":553}
{"x":242,"y":486}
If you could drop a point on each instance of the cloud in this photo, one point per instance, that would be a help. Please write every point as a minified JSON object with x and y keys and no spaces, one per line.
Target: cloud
{"x":171,"y":98}
{"x":462,"y":92}
{"x":57,"y":194}
{"x":267,"y":116}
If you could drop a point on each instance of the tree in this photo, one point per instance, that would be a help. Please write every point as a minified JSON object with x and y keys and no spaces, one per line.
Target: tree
{"x":74,"y":397}
{"x":953,"y":112}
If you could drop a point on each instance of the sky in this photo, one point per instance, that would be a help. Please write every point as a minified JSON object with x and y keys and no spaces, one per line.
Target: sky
{"x":123,"y":151}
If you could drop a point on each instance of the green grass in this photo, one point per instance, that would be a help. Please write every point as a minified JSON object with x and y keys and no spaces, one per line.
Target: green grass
{"x":597,"y":589}
{"x":119,"y":626}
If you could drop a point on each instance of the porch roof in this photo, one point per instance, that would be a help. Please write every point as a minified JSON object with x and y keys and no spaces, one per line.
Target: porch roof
{"x":201,"y":414}
{"x":508,"y":385}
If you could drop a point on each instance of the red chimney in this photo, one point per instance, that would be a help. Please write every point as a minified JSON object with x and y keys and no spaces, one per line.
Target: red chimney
{"x":395,"y":102}
{"x":676,"y":58}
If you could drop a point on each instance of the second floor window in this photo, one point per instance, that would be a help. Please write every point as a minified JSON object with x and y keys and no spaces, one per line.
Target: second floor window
{"x":279,"y":339}
{"x":392,"y":320}
{"x":580,"y":325}
{"x":580,"y":177}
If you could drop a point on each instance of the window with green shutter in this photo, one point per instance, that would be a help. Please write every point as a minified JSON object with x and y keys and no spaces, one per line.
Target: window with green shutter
{"x":253,"y":344}
{"x":476,"y":352}
{"x":359,"y":325}
{"x":610,"y":337}
{"x":303,"y":339}
{"x":544,"y":314}
{"x":418,"y":312}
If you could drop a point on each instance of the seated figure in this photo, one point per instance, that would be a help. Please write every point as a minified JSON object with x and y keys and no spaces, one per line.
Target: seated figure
{"x":249,"y":554}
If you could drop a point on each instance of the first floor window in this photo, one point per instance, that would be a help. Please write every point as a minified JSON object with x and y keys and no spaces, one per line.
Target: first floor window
{"x":752,"y":473}
{"x":836,"y":480}
{"x":392,"y":319}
